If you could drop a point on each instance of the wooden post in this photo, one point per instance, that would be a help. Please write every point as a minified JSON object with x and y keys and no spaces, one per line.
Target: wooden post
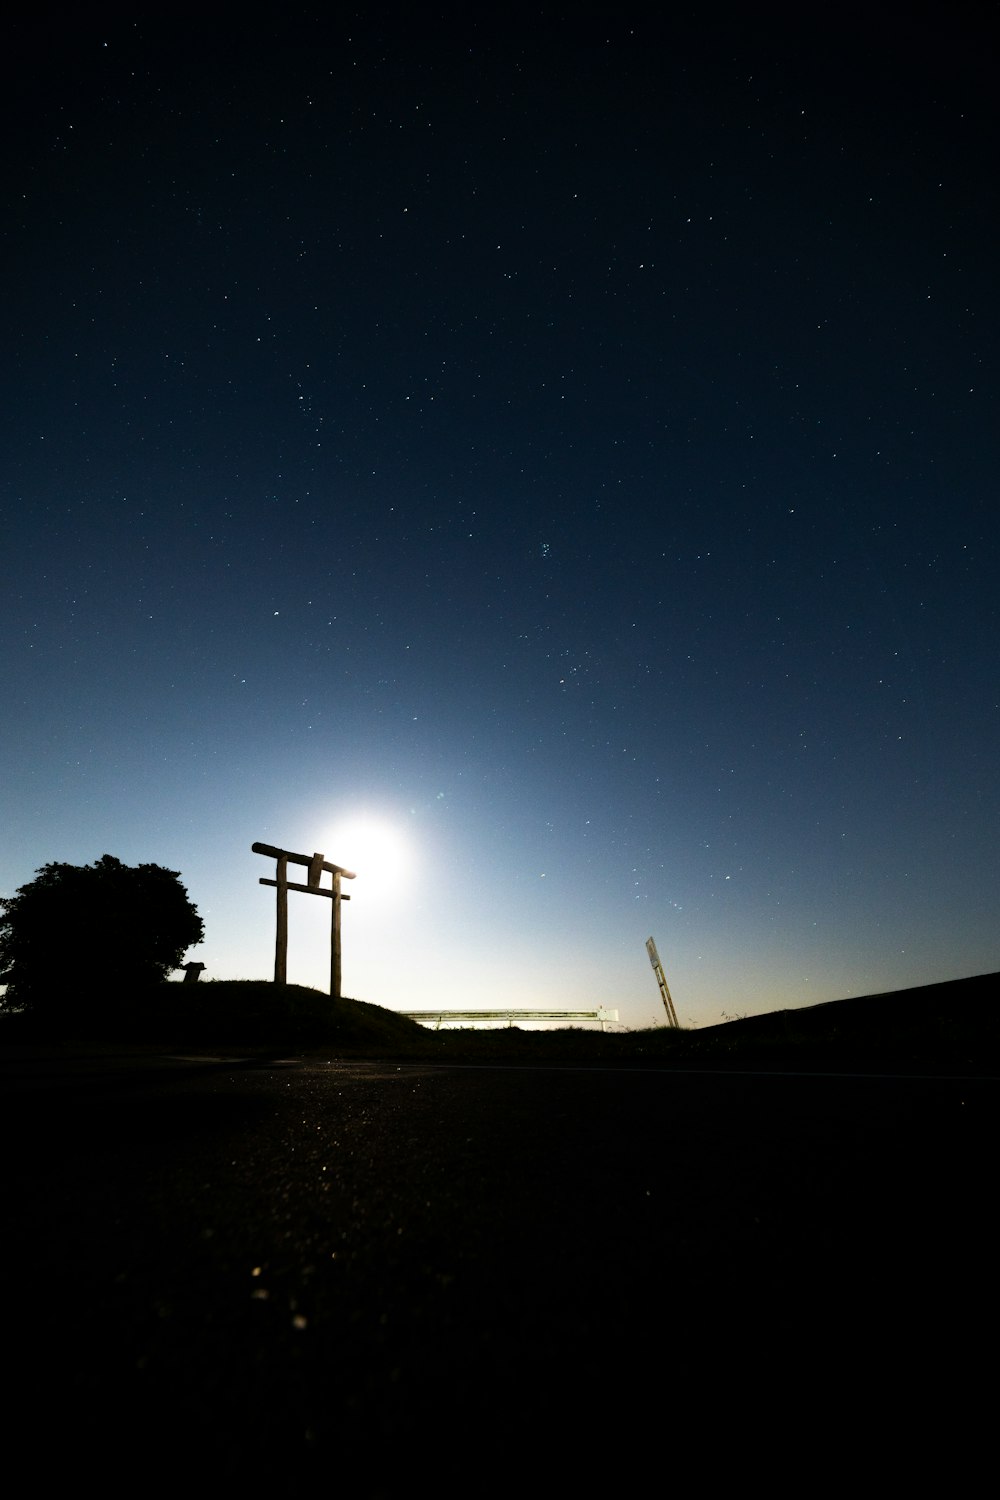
{"x":281,"y":936}
{"x":335,"y":940}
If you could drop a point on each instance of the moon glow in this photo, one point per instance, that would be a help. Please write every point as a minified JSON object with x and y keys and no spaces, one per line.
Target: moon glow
{"x":378,"y":852}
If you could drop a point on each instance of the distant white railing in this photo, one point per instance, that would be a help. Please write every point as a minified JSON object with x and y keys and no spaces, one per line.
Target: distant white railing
{"x":439,"y":1018}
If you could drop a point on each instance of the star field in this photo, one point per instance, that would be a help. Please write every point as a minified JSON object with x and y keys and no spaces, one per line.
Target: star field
{"x":568,"y":441}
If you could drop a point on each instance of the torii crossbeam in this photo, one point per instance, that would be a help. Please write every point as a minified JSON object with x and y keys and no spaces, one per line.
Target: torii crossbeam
{"x":316,"y":864}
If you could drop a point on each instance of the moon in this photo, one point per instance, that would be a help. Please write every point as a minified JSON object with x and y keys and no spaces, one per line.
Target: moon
{"x":376,"y":849}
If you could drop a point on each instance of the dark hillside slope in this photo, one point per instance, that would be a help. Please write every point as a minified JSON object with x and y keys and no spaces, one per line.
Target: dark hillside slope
{"x":953,"y":1024}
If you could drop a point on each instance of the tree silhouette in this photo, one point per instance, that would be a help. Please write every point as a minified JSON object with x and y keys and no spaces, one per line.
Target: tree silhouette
{"x":105,"y":928}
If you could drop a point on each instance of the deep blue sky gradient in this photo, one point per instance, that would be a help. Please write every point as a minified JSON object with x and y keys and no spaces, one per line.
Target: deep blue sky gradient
{"x":572,"y":441}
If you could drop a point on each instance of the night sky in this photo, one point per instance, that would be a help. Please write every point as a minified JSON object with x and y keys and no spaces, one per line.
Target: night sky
{"x":565,"y":442}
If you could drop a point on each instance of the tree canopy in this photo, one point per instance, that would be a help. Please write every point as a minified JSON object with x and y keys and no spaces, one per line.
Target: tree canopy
{"x":77,"y":929}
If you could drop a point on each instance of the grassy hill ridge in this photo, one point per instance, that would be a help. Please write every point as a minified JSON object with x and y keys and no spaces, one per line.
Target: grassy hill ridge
{"x":948,"y":1026}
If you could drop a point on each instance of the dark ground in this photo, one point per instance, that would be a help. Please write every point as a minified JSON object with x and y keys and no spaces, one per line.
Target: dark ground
{"x":386,"y":1275}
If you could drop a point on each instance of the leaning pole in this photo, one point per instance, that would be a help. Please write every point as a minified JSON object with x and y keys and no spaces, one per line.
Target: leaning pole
{"x":661,"y":979}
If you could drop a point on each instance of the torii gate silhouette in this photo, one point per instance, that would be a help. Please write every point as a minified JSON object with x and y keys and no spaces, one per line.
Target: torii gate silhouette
{"x":316,"y":864}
